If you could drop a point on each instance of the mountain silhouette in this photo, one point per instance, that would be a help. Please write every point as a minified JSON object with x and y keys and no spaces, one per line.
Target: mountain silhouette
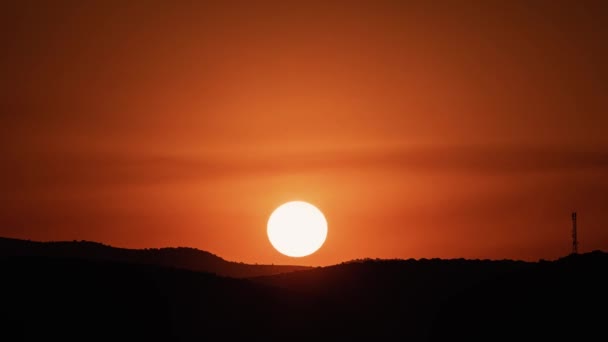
{"x":459,"y":299}
{"x":70,"y":299}
{"x":73,"y":298}
{"x":179,"y":257}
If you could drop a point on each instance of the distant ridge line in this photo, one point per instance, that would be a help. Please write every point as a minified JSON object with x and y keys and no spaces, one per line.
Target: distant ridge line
{"x":188,"y":258}
{"x":194,"y":259}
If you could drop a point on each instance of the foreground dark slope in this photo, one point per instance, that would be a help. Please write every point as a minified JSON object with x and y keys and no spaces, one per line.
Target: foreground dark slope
{"x":63,"y":299}
{"x":181,"y":257}
{"x":426,"y":300}
{"x":462,"y":299}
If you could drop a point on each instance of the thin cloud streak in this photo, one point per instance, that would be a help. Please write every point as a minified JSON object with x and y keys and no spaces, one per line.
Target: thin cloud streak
{"x":122,"y":169}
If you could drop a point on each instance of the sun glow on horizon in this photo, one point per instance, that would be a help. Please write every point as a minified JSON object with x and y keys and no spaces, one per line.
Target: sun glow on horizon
{"x":297,"y":229}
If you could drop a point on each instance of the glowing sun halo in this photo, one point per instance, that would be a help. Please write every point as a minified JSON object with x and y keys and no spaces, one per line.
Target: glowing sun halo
{"x":297,"y":229}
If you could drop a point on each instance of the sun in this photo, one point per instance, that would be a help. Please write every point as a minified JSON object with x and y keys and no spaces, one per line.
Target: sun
{"x":297,"y":229}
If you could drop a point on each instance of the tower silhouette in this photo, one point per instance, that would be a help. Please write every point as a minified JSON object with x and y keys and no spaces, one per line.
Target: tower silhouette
{"x":574,"y":238}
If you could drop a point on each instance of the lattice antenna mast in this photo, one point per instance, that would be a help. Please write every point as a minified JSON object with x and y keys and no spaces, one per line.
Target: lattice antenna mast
{"x":574,"y":238}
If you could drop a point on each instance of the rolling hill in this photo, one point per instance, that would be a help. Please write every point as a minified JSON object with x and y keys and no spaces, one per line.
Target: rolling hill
{"x":459,"y":299}
{"x":179,"y":257}
{"x":72,"y":298}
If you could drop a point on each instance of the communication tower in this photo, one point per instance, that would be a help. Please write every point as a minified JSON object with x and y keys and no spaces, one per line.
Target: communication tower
{"x":574,"y":238}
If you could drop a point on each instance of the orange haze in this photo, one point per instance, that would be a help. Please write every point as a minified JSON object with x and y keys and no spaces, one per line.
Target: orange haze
{"x":421,"y":129}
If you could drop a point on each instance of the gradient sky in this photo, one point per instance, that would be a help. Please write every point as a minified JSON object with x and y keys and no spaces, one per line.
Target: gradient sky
{"x":422,"y":129}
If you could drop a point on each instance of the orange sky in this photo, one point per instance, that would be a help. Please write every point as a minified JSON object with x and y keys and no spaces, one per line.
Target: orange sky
{"x":422,"y":129}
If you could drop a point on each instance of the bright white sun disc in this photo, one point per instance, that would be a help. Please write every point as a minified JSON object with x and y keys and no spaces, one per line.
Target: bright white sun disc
{"x":297,"y":229}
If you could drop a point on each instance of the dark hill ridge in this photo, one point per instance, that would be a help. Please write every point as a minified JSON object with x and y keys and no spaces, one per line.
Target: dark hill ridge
{"x":74,"y":299}
{"x":381,"y":274}
{"x":48,"y":298}
{"x":179,"y":257}
{"x":461,"y":299}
